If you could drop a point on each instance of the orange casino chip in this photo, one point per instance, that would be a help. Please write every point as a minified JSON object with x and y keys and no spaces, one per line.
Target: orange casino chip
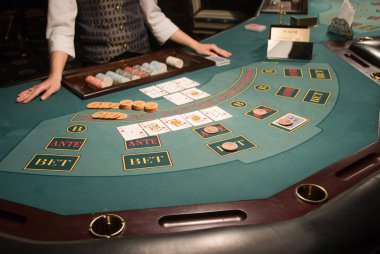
{"x":98,"y":115}
{"x":211,"y":129}
{"x":151,"y":106}
{"x":122,"y":116}
{"x":92,"y":105}
{"x":229,"y":146}
{"x":115,"y":105}
{"x":112,"y":115}
{"x":125,"y":104}
{"x":259,"y":111}
{"x":138,"y":105}
{"x":285,"y":122}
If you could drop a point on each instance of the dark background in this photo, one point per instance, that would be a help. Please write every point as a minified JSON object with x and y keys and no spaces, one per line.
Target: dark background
{"x":24,"y":53}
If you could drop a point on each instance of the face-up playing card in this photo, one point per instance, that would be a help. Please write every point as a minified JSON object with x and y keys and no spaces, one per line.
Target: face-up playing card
{"x":186,"y":82}
{"x":131,"y":132}
{"x":154,"y":127}
{"x":196,"y":118}
{"x":178,"y":98}
{"x":153,"y":91}
{"x":195,"y":93}
{"x":216,"y":113}
{"x":170,"y":87}
{"x":175,"y":122}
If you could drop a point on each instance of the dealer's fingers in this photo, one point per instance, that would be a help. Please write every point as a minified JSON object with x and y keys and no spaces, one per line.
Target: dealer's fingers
{"x":49,"y":92}
{"x":220,"y":51}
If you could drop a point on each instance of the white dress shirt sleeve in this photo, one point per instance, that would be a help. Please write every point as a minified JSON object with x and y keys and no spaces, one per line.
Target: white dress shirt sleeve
{"x":161,"y":26}
{"x":60,"y":28}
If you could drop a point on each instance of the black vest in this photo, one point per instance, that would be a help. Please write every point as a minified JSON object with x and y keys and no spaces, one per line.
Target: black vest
{"x":108,"y":28}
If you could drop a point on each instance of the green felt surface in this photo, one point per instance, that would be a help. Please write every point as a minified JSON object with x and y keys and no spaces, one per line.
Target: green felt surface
{"x":348,"y":123}
{"x":104,"y":145}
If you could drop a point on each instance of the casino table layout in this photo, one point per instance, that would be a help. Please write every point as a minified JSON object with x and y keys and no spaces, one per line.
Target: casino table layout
{"x":71,"y":183}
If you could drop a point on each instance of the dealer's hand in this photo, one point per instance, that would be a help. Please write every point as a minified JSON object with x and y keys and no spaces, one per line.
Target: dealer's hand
{"x":51,"y":85}
{"x":211,"y":49}
{"x":45,"y":89}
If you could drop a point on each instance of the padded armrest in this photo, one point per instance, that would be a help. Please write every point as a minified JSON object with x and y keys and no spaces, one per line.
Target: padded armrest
{"x":349,"y":223}
{"x":368,"y":50}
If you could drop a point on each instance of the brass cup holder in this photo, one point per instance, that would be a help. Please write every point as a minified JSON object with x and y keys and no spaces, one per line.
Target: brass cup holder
{"x":311,"y":193}
{"x":107,"y":226}
{"x":365,"y":38}
{"x":375,"y":75}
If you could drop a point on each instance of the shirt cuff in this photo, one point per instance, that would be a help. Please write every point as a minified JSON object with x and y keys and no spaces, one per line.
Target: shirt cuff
{"x":62,"y":43}
{"x":164,"y":31}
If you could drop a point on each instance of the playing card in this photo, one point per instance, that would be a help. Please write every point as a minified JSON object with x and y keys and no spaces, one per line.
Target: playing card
{"x":176,"y":122}
{"x":196,"y":118}
{"x":219,"y":61}
{"x":347,"y":12}
{"x":178,"y":98}
{"x":170,"y":87}
{"x":186,"y":82}
{"x":216,"y":113}
{"x":154,"y":127}
{"x":195,"y":93}
{"x":130,"y":132}
{"x":153,"y":91}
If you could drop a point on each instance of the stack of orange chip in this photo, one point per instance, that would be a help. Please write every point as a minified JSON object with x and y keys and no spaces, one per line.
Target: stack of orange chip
{"x":102,"y":105}
{"x":151,"y":107}
{"x":109,"y":115}
{"x":126,"y":104}
{"x":138,"y":105}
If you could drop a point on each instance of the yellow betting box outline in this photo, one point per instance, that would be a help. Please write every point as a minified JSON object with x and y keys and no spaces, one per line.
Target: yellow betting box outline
{"x":328,"y":70}
{"x":278,"y":90}
{"x":52,"y":170}
{"x":167,"y":153}
{"x":80,"y":148}
{"x":275,"y":111}
{"x":242,"y":103}
{"x":283,"y":72}
{"x":271,"y":63}
{"x":328,"y":97}
{"x":278,"y":127}
{"x":74,"y":125}
{"x":239,"y":79}
{"x":158,"y":139}
{"x":268,"y":71}
{"x":369,"y":27}
{"x":216,"y":135}
{"x":231,"y":153}
{"x":257,"y":87}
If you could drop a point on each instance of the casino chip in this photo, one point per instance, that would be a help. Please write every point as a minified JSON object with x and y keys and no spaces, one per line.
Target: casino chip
{"x":109,"y":115}
{"x":125,"y":104}
{"x":229,"y":146}
{"x":285,"y":122}
{"x":211,"y":129}
{"x":138,"y":105}
{"x":151,"y":106}
{"x":259,"y":111}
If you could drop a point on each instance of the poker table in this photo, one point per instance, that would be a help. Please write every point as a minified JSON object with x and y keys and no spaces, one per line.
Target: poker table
{"x":71,"y":183}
